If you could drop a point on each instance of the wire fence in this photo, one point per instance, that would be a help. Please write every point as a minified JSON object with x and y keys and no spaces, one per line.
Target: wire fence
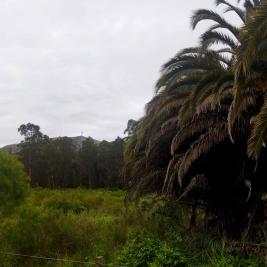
{"x":98,"y":262}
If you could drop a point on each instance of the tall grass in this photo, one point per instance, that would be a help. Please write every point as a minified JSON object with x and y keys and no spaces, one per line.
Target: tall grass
{"x":81,"y":224}
{"x":77,"y":224}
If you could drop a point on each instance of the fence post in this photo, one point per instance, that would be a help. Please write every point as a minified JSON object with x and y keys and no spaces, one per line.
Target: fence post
{"x":99,"y":261}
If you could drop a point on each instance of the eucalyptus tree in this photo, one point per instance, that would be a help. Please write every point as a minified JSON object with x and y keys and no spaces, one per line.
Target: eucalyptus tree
{"x":31,"y":152}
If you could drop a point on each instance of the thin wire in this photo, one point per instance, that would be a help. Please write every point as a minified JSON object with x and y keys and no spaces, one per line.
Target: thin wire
{"x":44,"y":258}
{"x":56,"y":259}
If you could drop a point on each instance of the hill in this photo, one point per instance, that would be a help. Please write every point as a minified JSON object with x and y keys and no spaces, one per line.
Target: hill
{"x":77,"y":141}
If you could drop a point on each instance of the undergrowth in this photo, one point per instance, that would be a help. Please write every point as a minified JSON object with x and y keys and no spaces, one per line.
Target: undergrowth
{"x":81,"y":224}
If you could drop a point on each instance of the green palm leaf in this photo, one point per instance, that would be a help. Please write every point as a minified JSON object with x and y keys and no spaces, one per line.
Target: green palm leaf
{"x":241,"y":13}
{"x":212,"y":37}
{"x":204,"y":14}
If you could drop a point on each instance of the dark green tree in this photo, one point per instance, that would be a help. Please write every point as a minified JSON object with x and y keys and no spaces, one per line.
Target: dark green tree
{"x":110,"y":162}
{"x":87,"y":159}
{"x":32,"y":150}
{"x":63,"y":165}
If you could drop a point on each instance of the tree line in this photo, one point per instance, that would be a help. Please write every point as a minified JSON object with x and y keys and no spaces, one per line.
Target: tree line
{"x":62,"y":163}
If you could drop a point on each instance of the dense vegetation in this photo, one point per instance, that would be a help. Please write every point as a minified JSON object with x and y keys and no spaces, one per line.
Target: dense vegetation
{"x":14,"y":183}
{"x":60,"y":163}
{"x":80,"y":224}
{"x":202,"y":139}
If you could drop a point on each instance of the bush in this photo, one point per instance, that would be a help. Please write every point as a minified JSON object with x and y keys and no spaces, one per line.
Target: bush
{"x":207,"y":252}
{"x":233,"y":261}
{"x":144,"y":251}
{"x":220,"y":257}
{"x":14,"y":183}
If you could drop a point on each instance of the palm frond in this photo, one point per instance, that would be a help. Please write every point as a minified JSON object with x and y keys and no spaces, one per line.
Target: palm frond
{"x":200,"y":181}
{"x":186,"y":110}
{"x":249,"y":7}
{"x":230,"y":7}
{"x":213,"y":37}
{"x":171,"y":177}
{"x":186,"y":82}
{"x":204,"y":14}
{"x":202,"y":146}
{"x":181,"y":54}
{"x":251,"y":37}
{"x":205,"y":84}
{"x":225,"y":81}
{"x":239,"y":116}
{"x":225,"y":50}
{"x":259,"y":133}
{"x":198,"y":124}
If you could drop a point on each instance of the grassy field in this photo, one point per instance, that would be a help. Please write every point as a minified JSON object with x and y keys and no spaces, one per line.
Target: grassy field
{"x":82,"y":224}
{"x":72,"y":224}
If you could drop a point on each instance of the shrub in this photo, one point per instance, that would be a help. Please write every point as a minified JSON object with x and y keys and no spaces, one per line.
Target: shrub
{"x":168,"y":257}
{"x":14,"y":183}
{"x":234,"y":261}
{"x":145,"y":251}
{"x":216,"y":253}
{"x":219,"y":256}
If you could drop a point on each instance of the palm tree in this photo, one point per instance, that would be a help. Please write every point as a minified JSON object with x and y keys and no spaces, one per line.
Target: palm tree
{"x":147,"y":151}
{"x":251,"y":70}
{"x":203,"y":71}
{"x":197,"y":149}
{"x":197,"y":146}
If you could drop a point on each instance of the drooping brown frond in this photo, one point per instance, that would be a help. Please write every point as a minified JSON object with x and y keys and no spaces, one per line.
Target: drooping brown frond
{"x":171,"y":177}
{"x":186,"y":110}
{"x":202,"y":146}
{"x":198,"y":124}
{"x":150,"y":182}
{"x":258,"y":135}
{"x":135,"y":168}
{"x":199,"y":182}
{"x":161,"y":111}
{"x":225,"y":95}
{"x":239,"y":117}
{"x":206,"y":101}
{"x":170,"y":124}
{"x":158,"y":148}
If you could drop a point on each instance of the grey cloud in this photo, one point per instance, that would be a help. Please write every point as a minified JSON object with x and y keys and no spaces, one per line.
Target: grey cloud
{"x":85,"y":65}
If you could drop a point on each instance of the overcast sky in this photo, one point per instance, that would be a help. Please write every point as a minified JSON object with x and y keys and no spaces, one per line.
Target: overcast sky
{"x":88,"y":66}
